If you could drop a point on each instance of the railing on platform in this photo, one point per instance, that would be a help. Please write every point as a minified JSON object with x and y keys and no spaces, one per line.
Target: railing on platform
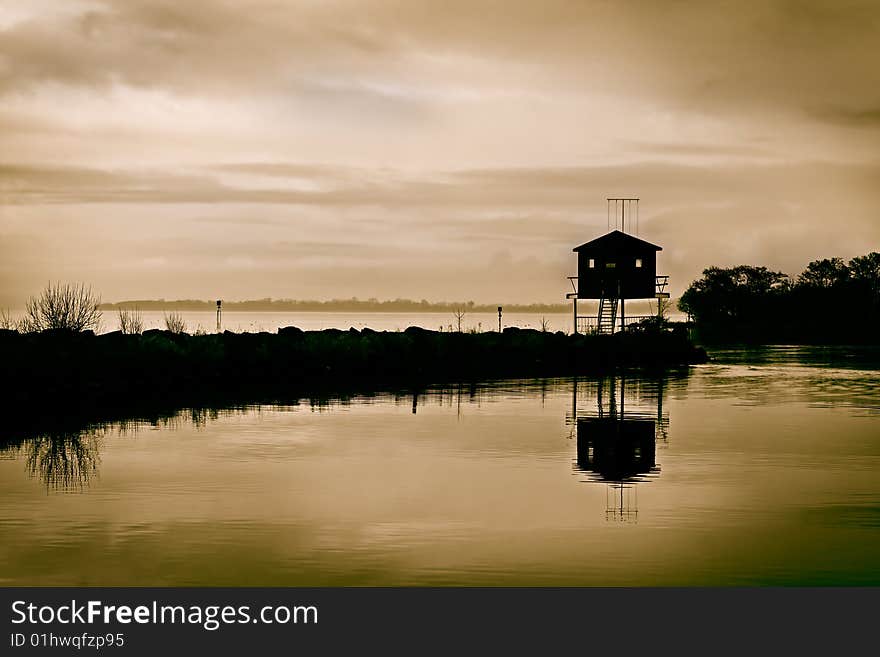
{"x":587,"y":324}
{"x":590,"y":323}
{"x":638,"y":319}
{"x":660,"y":283}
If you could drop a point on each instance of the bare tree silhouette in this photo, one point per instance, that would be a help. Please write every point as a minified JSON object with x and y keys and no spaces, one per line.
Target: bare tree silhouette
{"x":174,"y":323}
{"x":130,"y":321}
{"x":6,"y":320}
{"x":72,"y":307}
{"x":459,"y":314}
{"x":663,"y":309}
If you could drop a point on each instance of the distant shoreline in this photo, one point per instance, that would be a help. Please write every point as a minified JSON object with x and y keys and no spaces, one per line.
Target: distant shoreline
{"x":335,"y":305}
{"x":513,"y":311}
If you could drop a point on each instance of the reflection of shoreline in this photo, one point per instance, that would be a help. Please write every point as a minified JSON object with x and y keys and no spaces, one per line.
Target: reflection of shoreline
{"x":67,"y":457}
{"x":63,"y":449}
{"x":65,"y":452}
{"x":73,"y":371}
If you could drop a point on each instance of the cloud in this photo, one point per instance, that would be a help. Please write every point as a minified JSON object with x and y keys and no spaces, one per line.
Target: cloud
{"x":698,"y":150}
{"x":868,"y":117}
{"x":196,"y":46}
{"x":515,"y":188}
{"x":716,"y":56}
{"x":398,"y":147}
{"x":449,"y":226}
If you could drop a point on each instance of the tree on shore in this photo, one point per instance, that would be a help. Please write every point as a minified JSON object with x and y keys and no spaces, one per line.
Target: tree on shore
{"x":130,"y":321}
{"x":824,"y":274}
{"x":69,"y":307}
{"x":175,"y":323}
{"x":829,"y":300}
{"x":731,"y":293}
{"x":459,"y":314}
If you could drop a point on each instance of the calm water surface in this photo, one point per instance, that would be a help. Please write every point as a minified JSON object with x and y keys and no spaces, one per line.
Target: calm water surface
{"x":762,"y":467}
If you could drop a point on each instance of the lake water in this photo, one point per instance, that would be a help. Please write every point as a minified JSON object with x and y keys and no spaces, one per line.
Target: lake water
{"x":762,"y":467}
{"x":316,"y":321}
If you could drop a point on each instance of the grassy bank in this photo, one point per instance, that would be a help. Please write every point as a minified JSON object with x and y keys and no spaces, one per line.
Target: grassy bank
{"x":56,"y":369}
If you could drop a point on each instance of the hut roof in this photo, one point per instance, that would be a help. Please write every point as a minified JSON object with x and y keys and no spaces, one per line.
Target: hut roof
{"x":615,"y":241}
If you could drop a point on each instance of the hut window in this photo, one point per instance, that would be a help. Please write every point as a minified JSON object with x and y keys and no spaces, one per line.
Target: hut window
{"x":610,"y":265}
{"x":638,"y":263}
{"x":592,"y":263}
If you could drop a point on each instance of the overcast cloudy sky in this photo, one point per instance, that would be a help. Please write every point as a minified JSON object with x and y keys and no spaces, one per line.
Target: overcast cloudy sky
{"x":439,"y":150}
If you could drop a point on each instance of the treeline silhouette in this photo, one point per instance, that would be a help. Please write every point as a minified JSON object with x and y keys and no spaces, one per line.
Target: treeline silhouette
{"x":336,"y":305}
{"x":830,"y":302}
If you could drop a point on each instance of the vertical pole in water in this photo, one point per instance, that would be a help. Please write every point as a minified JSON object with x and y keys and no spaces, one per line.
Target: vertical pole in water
{"x":574,"y":312}
{"x":218,"y":314}
{"x":499,"y":319}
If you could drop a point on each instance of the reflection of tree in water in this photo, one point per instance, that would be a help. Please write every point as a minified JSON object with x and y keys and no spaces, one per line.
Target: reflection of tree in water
{"x":67,"y":457}
{"x":62,"y":460}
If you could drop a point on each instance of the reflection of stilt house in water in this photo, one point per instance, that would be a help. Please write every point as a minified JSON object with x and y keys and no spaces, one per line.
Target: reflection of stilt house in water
{"x":617,"y":446}
{"x":613,"y":268}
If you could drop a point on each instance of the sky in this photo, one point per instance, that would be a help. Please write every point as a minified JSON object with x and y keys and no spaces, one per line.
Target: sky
{"x":447,"y":150}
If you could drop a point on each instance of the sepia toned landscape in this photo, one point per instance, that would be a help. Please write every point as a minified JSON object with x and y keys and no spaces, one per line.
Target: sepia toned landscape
{"x":439,"y":294}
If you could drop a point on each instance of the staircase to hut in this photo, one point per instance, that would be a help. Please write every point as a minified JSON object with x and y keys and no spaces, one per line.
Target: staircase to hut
{"x":607,"y":317}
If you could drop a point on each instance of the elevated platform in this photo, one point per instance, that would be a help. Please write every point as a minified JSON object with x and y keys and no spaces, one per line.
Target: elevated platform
{"x":611,"y":316}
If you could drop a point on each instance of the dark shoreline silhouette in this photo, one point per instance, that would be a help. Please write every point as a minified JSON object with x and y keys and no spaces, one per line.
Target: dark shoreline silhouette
{"x":86,"y":374}
{"x":830,"y":303}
